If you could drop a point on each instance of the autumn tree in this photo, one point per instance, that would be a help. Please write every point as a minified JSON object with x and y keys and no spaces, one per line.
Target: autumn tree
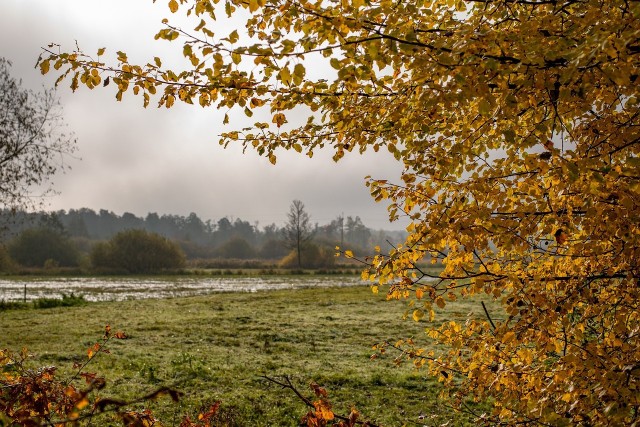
{"x":518,"y":124}
{"x":33,"y":142}
{"x":297,"y":232}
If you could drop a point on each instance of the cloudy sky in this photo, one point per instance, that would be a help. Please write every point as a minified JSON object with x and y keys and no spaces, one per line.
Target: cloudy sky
{"x":137,"y":160}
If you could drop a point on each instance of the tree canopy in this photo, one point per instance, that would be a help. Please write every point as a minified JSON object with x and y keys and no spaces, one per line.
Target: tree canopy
{"x":518,"y":125}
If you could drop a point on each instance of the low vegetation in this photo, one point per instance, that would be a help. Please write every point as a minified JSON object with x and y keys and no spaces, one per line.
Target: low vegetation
{"x":45,"y":302}
{"x":218,"y":348}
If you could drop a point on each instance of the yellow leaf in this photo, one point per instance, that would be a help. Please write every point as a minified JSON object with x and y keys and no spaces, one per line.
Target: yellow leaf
{"x":44,"y":66}
{"x":253,"y":5}
{"x":200,"y":25}
{"x":298,"y":74}
{"x":169,"y":101}
{"x":173,"y":6}
{"x":285,"y":75}
{"x":203,"y":100}
{"x":508,"y":337}
{"x":279,"y":119}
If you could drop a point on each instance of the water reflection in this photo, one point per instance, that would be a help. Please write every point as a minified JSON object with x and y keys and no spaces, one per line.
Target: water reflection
{"x":118,"y":289}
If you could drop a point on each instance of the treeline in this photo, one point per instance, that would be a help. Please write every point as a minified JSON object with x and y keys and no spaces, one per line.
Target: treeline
{"x":72,"y":236}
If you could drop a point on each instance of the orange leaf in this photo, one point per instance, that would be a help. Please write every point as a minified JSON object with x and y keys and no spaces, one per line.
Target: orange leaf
{"x":323,"y":410}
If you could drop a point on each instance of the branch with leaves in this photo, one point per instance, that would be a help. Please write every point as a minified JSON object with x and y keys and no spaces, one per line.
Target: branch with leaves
{"x":321,"y":413}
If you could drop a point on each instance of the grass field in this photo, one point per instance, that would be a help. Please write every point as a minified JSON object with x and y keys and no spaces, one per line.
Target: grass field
{"x":217,"y":347}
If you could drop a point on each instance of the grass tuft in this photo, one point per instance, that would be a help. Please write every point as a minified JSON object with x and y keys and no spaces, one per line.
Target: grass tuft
{"x":66,"y":301}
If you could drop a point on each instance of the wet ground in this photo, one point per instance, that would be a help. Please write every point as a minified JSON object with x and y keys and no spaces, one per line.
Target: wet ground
{"x":118,"y":289}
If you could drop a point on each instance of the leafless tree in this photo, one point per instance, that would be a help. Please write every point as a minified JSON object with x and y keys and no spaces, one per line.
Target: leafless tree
{"x":33,"y":141}
{"x":298,"y":231}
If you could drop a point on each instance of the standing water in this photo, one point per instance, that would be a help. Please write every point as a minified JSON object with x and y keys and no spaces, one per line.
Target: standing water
{"x":119,"y":289}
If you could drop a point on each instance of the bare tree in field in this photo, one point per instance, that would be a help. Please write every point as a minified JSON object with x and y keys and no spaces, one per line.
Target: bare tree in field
{"x":33,"y":143}
{"x":298,"y":231}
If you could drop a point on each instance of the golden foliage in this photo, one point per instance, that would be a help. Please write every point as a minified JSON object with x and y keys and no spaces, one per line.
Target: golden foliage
{"x":518,"y":124}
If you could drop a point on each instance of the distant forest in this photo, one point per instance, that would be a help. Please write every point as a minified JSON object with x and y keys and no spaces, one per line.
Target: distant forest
{"x":199,"y":239}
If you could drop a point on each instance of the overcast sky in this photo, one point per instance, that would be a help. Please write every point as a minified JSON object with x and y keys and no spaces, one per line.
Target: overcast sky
{"x":139,"y":160}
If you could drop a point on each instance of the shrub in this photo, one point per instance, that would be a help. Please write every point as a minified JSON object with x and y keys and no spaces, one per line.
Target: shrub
{"x":66,"y":301}
{"x":137,"y":251}
{"x":313,"y":256}
{"x":36,"y":246}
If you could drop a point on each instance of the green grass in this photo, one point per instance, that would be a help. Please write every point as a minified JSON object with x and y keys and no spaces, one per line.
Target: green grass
{"x":217,"y":347}
{"x":40,"y":303}
{"x":66,"y":301}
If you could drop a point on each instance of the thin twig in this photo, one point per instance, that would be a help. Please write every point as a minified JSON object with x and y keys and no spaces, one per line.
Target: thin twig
{"x":486,"y":312}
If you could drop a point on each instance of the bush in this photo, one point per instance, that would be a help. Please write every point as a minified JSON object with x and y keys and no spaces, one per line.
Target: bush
{"x":137,"y":251}
{"x":36,"y":246}
{"x":313,"y":256}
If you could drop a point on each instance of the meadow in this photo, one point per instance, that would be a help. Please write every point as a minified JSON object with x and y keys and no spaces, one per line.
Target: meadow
{"x":218,"y":347}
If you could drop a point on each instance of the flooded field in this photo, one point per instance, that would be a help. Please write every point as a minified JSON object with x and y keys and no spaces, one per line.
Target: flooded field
{"x":118,"y":289}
